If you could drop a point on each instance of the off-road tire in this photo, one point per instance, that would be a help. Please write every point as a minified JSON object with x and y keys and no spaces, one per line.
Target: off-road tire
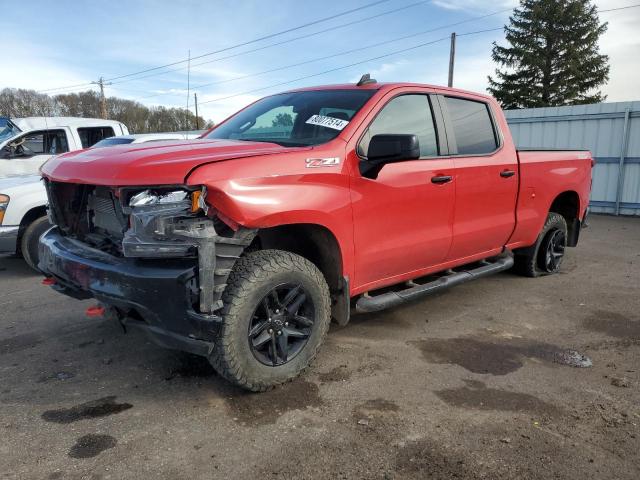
{"x":252,"y":277}
{"x":527,"y":260}
{"x":30,"y":238}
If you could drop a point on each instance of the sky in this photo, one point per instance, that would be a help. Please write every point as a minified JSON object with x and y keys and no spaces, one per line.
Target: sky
{"x":48,"y":45}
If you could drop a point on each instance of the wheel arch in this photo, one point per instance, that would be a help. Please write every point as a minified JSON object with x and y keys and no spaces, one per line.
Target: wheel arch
{"x":321,"y":247}
{"x":567,"y":204}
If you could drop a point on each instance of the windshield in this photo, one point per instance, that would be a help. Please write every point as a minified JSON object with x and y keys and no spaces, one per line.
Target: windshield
{"x":108,"y":142}
{"x":295,"y":119}
{"x":7,"y":129}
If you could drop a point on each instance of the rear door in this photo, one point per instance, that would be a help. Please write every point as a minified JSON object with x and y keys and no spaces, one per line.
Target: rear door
{"x":402,"y":218}
{"x":486,"y":178}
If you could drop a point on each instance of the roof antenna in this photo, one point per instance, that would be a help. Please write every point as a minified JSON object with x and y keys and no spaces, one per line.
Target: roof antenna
{"x":366,"y":80}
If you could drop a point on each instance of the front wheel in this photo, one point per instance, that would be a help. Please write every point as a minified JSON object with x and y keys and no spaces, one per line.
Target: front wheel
{"x":275,"y":317}
{"x":545,"y":257}
{"x":31,"y":238}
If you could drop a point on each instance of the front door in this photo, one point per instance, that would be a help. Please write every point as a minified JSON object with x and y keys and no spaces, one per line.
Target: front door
{"x":402,"y":219}
{"x":486,"y":179}
{"x":25,"y":154}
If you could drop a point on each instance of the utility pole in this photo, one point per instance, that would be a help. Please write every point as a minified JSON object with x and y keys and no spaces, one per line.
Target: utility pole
{"x":186,"y":114}
{"x":195,"y":100}
{"x":452,"y":58}
{"x":103,"y":100}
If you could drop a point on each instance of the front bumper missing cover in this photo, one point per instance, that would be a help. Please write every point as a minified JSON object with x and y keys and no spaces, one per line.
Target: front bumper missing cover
{"x":174,"y":300}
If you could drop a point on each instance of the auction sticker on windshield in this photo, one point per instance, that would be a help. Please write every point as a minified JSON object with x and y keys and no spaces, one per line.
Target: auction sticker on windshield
{"x":328,"y":122}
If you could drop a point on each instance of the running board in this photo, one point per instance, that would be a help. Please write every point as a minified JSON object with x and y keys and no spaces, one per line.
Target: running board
{"x":367,"y":303}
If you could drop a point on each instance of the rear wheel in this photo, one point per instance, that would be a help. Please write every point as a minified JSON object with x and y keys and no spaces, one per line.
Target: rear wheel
{"x":545,"y":257}
{"x":30,"y":239}
{"x":276,"y":314}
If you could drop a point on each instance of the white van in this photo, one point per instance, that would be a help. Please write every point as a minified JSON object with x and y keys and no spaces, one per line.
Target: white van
{"x":26,"y":143}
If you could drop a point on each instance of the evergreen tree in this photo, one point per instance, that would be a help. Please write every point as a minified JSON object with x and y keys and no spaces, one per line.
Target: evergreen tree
{"x":553,"y":56}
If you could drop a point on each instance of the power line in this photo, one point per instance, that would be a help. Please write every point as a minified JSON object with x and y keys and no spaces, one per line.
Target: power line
{"x":397,"y":39}
{"x":255,"y":40}
{"x":308,"y":36}
{"x":326,"y":71}
{"x":67,"y":87}
{"x":619,"y":8}
{"x":350,"y":65}
{"x":259,"y":39}
{"x":289,"y":40}
{"x":294,"y":39}
{"x":480,"y":31}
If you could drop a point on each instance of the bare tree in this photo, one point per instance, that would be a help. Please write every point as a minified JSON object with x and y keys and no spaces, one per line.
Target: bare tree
{"x":137,"y":117}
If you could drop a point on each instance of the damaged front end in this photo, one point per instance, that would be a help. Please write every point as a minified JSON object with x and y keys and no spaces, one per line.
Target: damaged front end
{"x":158,"y":257}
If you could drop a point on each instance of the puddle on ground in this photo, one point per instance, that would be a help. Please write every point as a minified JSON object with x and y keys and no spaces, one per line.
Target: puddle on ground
{"x":613,"y":324}
{"x":19,"y":343}
{"x":190,"y":366}
{"x":496,"y":356}
{"x":338,"y":374}
{"x":264,"y":408}
{"x":101,"y":407}
{"x":91,"y":445}
{"x":374,"y":413}
{"x":477,"y":396}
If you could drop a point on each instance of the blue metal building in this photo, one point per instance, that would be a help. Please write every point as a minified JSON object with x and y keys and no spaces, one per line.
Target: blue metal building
{"x":610,"y":130}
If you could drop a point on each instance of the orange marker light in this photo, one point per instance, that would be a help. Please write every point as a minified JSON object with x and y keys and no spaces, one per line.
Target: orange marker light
{"x":195,"y":200}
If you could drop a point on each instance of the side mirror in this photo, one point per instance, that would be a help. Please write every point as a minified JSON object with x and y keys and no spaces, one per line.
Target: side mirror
{"x":389,"y":148}
{"x":8,"y":152}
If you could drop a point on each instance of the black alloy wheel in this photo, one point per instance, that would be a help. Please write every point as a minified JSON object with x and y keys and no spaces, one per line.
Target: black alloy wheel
{"x":552,"y":253}
{"x":281,"y":325}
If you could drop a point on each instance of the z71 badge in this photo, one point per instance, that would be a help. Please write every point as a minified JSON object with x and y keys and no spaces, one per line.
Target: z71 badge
{"x":322,"y":162}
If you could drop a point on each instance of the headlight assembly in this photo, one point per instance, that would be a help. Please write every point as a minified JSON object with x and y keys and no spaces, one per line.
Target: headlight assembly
{"x":154,"y":216}
{"x":148,"y":198}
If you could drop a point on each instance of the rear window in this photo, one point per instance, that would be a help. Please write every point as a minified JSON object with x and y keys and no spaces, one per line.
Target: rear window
{"x":89,"y":136}
{"x":107,"y":142}
{"x":472,"y":126}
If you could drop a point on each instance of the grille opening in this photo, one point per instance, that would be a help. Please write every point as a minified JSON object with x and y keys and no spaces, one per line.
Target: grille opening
{"x":91,"y":214}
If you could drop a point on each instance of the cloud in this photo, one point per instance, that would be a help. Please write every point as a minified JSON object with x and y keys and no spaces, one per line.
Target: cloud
{"x":475,"y":5}
{"x":383,"y":72}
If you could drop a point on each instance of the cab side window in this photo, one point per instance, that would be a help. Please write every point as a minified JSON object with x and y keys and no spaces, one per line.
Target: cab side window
{"x":45,"y":142}
{"x":407,"y":114}
{"x":472,"y":126}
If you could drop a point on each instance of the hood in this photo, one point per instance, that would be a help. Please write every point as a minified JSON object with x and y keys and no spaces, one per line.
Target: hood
{"x":8,"y":183}
{"x":153,"y":163}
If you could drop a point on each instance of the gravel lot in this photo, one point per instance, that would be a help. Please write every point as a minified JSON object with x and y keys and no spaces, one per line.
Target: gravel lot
{"x":470,"y":383}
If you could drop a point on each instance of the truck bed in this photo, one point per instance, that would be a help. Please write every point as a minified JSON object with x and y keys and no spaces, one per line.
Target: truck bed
{"x":544,"y":173}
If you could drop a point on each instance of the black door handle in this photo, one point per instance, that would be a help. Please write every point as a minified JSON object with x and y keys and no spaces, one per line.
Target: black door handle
{"x":507,"y":173}
{"x":441,"y":179}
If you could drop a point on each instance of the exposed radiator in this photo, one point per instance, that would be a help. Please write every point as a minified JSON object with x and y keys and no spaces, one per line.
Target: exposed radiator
{"x":104,"y":213}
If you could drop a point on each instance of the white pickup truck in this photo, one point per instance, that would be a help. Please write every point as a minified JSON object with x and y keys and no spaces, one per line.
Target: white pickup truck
{"x":23,"y":200}
{"x":26,"y":143}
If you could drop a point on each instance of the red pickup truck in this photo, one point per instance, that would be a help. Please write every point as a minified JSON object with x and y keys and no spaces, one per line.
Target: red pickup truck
{"x":242,"y":246}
